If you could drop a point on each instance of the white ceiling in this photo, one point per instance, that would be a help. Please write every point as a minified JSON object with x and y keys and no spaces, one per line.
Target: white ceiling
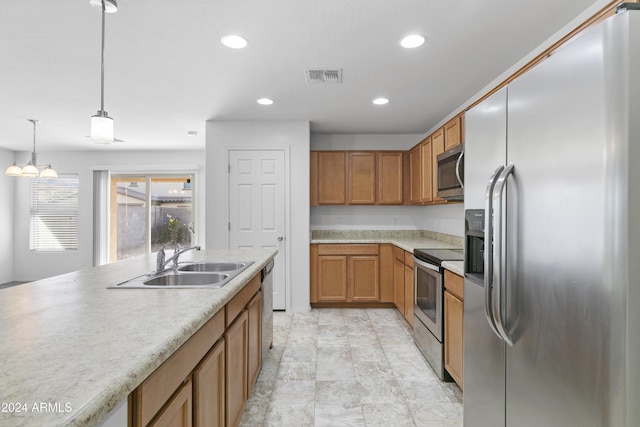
{"x":167,"y":73}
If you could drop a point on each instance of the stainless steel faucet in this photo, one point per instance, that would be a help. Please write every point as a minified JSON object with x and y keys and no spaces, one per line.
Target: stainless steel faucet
{"x":161,"y":262}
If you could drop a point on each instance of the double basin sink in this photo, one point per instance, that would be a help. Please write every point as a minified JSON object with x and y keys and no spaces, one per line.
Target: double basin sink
{"x":212,"y":274}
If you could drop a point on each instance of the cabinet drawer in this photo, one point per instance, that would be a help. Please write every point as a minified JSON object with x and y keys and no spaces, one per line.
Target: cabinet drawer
{"x":398,"y":254}
{"x":242,"y":298}
{"x":348,"y":249}
{"x":454,"y":284}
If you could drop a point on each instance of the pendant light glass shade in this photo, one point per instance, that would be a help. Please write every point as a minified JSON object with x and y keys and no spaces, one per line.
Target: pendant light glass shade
{"x":14,"y":170}
{"x":48,"y":172}
{"x":101,"y":128}
{"x":30,"y":171}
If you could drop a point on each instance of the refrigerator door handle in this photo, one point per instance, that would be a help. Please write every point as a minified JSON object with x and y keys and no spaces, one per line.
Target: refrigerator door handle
{"x":458,"y":169}
{"x":488,"y":252}
{"x":499,"y":267}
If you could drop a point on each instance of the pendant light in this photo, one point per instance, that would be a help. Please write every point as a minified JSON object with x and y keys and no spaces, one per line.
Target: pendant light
{"x":101,"y":123}
{"x":31,"y":169}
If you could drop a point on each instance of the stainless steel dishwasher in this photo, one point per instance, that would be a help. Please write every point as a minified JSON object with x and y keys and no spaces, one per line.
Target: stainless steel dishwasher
{"x":267,"y":309}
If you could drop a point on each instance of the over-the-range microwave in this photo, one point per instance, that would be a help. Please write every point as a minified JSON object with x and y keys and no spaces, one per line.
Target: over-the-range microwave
{"x":451,"y":173}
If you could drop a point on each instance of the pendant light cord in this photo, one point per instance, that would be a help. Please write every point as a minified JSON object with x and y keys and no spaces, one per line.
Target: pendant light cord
{"x":102,"y":62}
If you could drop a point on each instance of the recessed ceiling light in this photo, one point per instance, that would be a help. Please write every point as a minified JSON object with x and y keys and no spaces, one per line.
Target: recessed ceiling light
{"x":411,"y":41}
{"x":234,"y":42}
{"x":265,"y":101}
{"x":380,"y":101}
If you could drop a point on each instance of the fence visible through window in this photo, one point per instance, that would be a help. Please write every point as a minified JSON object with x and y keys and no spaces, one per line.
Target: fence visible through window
{"x":148,"y":212}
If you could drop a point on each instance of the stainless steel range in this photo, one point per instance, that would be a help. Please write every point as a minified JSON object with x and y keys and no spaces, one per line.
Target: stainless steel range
{"x":428,"y":328}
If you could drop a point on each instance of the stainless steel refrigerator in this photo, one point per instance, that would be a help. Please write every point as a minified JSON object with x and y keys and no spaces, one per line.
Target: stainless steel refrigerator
{"x":552,"y":268}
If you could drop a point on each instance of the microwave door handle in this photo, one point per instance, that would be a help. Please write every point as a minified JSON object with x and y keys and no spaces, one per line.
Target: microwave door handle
{"x":499,"y":257}
{"x":458,"y":169}
{"x":488,"y":252}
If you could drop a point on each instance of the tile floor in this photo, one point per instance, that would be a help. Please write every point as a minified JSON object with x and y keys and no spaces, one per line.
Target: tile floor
{"x":349,"y":367}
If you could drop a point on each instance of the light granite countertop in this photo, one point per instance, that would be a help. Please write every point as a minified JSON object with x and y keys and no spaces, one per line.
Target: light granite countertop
{"x":80,"y":349}
{"x":405,"y":239}
{"x":454,"y":266}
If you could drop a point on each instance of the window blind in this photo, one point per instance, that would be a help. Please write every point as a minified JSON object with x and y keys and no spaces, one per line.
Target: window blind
{"x":54,"y":213}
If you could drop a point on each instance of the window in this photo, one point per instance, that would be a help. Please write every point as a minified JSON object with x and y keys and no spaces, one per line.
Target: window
{"x":148,"y":212}
{"x":54,"y":214}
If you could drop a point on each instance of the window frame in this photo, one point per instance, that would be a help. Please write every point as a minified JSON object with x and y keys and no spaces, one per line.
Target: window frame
{"x":39,"y":207}
{"x":147,"y":177}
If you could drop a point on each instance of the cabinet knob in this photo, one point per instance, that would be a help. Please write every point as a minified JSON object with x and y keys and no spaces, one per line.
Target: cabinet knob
{"x":280,"y":238}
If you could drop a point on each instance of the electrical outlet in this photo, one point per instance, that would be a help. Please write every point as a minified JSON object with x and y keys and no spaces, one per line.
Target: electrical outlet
{"x":394,"y":220}
{"x":339,"y":220}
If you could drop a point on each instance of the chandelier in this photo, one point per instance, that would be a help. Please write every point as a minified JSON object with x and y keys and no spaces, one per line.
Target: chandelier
{"x":31,"y":169}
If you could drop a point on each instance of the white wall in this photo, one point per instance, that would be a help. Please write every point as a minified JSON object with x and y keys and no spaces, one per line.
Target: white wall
{"x":367,"y":217}
{"x":293,"y":135}
{"x":364,"y":141}
{"x":447,"y":219}
{"x":6,"y":213}
{"x":32,"y":266}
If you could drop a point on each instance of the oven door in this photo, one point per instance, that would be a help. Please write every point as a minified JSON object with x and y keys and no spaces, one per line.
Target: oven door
{"x":428,"y":296}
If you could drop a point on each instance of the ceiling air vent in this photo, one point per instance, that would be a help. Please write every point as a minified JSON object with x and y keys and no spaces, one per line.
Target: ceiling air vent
{"x":315,"y":75}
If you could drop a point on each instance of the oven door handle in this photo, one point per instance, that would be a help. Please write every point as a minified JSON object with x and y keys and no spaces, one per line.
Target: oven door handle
{"x":500,"y":265}
{"x":425,"y":264}
{"x":488,"y":253}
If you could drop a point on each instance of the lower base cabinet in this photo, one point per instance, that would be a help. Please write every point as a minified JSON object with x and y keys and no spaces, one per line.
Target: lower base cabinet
{"x":207,"y":381}
{"x":453,"y":326}
{"x":254,"y":363}
{"x":237,"y":339}
{"x":177,"y":413}
{"x":209,"y":388}
{"x":403,"y":283}
{"x":345,"y":273}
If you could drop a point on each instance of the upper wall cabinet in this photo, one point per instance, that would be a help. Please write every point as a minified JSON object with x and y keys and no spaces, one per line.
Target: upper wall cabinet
{"x":361,"y":183}
{"x":453,"y":132}
{"x":423,"y":162}
{"x":437,"y":147}
{"x":415,"y":174}
{"x":356,"y":178}
{"x":332,"y":177}
{"x":390,"y":174}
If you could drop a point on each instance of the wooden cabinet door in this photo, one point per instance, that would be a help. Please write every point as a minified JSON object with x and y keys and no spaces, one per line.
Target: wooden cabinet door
{"x":361,"y":183}
{"x":364,"y":274}
{"x":398,"y":285}
{"x":453,"y":132}
{"x":254,"y":310}
{"x":208,"y":389}
{"x":408,"y":294}
{"x":332,"y":178}
{"x":390,"y":189}
{"x":236,"y":355}
{"x":386,"y":272}
{"x":453,"y":336}
{"x":425,"y":171}
{"x":332,"y":278}
{"x":313,"y":178}
{"x":313,"y":274}
{"x":415,"y":178}
{"x":437,"y":147}
{"x":177,"y":413}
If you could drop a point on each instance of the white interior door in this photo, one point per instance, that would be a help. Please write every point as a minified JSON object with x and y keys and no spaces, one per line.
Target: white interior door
{"x":257,"y":208}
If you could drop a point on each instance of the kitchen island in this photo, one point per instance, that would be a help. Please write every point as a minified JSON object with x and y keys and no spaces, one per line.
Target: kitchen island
{"x":72,"y":350}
